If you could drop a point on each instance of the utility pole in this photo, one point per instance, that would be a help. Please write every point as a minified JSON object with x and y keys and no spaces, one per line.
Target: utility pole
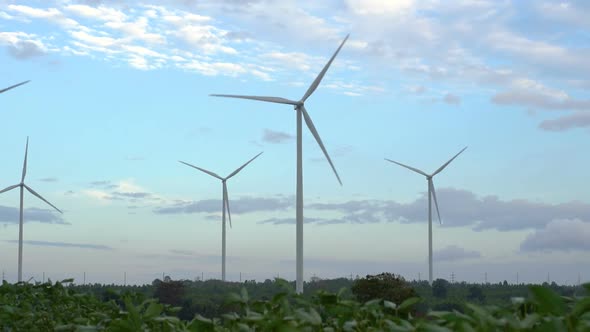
{"x":124,"y":278}
{"x":547,"y":277}
{"x":486,"y":278}
{"x":452,"y":277}
{"x":579,"y":279}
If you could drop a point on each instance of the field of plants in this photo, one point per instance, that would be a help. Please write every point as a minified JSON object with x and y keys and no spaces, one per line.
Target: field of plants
{"x":62,"y":306}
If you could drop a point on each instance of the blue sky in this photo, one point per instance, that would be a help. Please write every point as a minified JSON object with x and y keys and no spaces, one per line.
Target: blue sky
{"x":120,"y":90}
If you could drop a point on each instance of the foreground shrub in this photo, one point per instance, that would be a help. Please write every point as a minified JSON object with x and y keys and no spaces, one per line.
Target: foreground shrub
{"x":55,"y":307}
{"x":386,"y":286}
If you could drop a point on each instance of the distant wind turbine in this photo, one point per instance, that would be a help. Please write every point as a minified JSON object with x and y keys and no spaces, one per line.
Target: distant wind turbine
{"x":431,"y":195}
{"x":23,"y":186}
{"x":301,"y":113}
{"x":225,"y":205}
{"x":14,"y":86}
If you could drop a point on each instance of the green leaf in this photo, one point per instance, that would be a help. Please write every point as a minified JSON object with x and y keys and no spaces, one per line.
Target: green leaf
{"x":547,"y":301}
{"x":389,"y":305}
{"x":409,"y":303}
{"x":529,"y":321}
{"x":168,"y":319}
{"x":153,"y":310}
{"x":327,"y":298}
{"x":234,"y":298}
{"x":583,"y":306}
{"x":372,"y":302}
{"x":244,"y":294}
{"x":427,"y":327}
{"x":311,"y":317}
{"x":231,"y":316}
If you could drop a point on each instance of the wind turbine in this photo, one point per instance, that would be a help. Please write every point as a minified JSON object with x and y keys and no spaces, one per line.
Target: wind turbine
{"x":225,"y":205}
{"x":301,"y":113}
{"x":14,"y":86}
{"x":23,"y":186}
{"x":431,"y":195}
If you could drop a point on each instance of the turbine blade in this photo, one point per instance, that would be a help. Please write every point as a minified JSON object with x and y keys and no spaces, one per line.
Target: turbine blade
{"x":40,"y":197}
{"x":25,"y":162}
{"x":277,"y":100}
{"x":431,"y":183}
{"x":226,"y":200}
{"x":315,"y":134}
{"x":9,"y":188}
{"x":318,"y":79}
{"x":448,"y":162}
{"x":241,"y":167}
{"x":202,"y":170}
{"x":408,"y":167}
{"x":14,"y":86}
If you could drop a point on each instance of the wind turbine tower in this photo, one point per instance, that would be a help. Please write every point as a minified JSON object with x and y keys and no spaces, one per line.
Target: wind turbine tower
{"x":302,"y":114}
{"x":431,"y":196}
{"x":225,"y":205}
{"x":22,"y":187}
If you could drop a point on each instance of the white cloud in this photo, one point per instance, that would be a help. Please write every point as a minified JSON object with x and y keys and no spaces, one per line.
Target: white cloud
{"x":137,"y":30}
{"x":534,"y":94}
{"x":5,"y":16}
{"x":578,"y":119}
{"x":103,"y":42}
{"x":50,"y":14}
{"x":559,"y":235}
{"x":98,"y":13}
{"x":234,"y":39}
{"x":295,"y":60}
{"x":455,"y":253}
{"x":378,"y":7}
{"x":452,"y":99}
{"x":22,"y":45}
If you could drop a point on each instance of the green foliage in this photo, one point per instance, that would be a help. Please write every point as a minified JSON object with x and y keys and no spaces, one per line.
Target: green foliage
{"x":55,"y":307}
{"x":169,"y":291}
{"x":476,"y":294}
{"x":440,"y":288}
{"x":385,"y":286}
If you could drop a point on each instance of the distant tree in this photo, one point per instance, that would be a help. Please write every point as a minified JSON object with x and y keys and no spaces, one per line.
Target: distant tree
{"x":475,"y":293}
{"x":385,"y":286}
{"x":448,"y":306}
{"x":440,"y":288}
{"x":170,"y":292}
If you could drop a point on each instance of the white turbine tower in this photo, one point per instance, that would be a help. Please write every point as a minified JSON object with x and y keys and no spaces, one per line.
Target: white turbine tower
{"x":225,"y":205}
{"x":431,"y":195}
{"x":14,"y":86}
{"x":301,"y":113}
{"x":23,"y":186}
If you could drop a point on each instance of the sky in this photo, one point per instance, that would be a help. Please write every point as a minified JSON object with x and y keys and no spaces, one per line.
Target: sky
{"x":119,"y":93}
